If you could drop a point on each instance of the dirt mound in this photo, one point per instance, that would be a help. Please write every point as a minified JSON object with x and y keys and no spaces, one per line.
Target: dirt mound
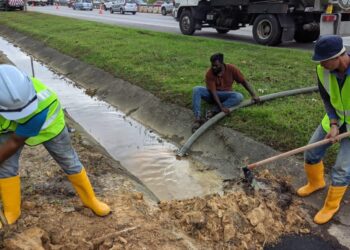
{"x":237,"y":219}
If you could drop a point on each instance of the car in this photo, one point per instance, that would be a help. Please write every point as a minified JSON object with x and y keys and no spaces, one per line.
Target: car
{"x":96,"y":4}
{"x":11,"y":4}
{"x":70,"y":3}
{"x":37,"y":2}
{"x":82,"y":5}
{"x":107,"y":4}
{"x":59,"y":2}
{"x":167,"y":7}
{"x":124,"y":6}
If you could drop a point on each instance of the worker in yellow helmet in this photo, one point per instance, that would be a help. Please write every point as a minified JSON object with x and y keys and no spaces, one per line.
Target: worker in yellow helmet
{"x":30,"y":113}
{"x":333,"y":72}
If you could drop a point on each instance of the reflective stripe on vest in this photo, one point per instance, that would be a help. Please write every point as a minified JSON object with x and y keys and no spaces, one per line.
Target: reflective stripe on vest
{"x":43,"y":95}
{"x":340,"y":100}
{"x":326,"y":76}
{"x":54,"y":123}
{"x":52,"y":118}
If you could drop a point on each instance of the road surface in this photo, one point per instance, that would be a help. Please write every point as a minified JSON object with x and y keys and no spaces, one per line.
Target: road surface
{"x":157,"y":22}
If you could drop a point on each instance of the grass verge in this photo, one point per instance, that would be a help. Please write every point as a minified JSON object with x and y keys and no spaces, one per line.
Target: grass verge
{"x":170,"y":65}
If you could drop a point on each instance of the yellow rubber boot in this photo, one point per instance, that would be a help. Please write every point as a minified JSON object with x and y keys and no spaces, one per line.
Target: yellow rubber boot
{"x":83,"y":187}
{"x":315,"y":178}
{"x":331,"y":205}
{"x":10,"y":190}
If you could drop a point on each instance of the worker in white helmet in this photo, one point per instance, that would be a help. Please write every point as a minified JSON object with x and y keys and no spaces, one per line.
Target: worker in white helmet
{"x":30,"y":113}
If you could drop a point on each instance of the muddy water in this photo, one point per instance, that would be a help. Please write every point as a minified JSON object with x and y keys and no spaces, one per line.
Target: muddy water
{"x":139,"y":149}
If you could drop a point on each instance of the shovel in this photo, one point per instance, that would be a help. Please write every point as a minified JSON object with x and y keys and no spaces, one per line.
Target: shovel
{"x":247,"y":170}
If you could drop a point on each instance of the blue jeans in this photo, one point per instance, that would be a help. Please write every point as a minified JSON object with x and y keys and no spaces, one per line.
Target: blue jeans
{"x":341,"y":170}
{"x":227,"y":98}
{"x":60,"y":149}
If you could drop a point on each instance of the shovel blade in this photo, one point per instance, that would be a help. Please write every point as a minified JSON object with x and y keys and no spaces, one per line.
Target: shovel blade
{"x":248,"y":175}
{"x":249,"y":178}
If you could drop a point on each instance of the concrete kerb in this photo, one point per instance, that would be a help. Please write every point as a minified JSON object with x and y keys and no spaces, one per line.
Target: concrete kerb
{"x":221,"y":148}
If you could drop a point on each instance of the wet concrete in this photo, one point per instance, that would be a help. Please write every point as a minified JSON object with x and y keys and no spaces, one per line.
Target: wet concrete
{"x":141,"y":151}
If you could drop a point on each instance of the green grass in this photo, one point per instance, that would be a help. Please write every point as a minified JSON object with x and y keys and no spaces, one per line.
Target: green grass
{"x":170,"y":65}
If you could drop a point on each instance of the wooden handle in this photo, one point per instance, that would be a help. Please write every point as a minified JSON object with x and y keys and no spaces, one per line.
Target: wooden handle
{"x":296,"y":151}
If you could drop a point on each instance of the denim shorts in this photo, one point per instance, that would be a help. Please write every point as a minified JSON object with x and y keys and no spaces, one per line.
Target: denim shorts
{"x":60,"y":148}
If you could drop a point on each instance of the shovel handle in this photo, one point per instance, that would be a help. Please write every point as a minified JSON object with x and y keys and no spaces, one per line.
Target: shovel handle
{"x":296,"y":151}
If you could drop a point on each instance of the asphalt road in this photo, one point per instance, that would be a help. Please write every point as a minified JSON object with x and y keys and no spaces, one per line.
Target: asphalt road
{"x":160,"y":23}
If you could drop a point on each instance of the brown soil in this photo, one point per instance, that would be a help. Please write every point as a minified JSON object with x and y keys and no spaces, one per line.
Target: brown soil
{"x":54,"y":218}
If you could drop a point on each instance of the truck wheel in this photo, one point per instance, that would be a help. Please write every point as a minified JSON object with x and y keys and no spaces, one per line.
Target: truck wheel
{"x":304,"y":36}
{"x":187,"y":23}
{"x":222,"y":31}
{"x":163,"y":11}
{"x":267,"y":30}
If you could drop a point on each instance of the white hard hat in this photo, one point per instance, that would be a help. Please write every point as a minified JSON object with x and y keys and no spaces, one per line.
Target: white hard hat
{"x":18,"y":98}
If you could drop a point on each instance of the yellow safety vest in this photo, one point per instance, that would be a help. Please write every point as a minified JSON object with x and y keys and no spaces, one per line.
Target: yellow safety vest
{"x":340,"y":99}
{"x":54,"y":122}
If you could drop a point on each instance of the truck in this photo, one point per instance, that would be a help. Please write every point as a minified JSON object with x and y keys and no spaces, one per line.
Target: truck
{"x":11,"y":4}
{"x":273,"y":21}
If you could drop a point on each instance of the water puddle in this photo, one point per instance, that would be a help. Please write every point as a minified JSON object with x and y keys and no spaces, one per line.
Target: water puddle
{"x":138,"y":149}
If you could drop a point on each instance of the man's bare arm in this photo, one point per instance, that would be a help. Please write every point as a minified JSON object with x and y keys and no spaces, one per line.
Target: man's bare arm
{"x":10,"y":147}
